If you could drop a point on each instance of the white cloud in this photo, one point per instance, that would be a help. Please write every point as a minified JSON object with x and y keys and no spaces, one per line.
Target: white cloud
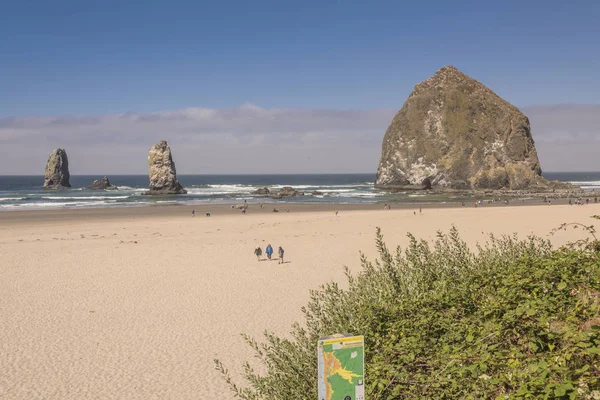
{"x":251,"y":139}
{"x":567,"y":137}
{"x":248,"y":139}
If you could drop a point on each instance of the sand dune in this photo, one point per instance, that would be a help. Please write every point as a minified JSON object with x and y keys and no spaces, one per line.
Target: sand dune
{"x":137,"y":307}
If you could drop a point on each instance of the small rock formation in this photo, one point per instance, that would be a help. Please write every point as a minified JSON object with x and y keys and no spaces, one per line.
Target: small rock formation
{"x":56,"y":174}
{"x":163,"y":176}
{"x":454,"y":132}
{"x":100,"y":184}
{"x":316,"y":193}
{"x":262,"y":191}
{"x":287,"y":191}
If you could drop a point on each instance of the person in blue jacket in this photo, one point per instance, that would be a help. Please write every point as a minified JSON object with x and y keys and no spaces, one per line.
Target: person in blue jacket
{"x":269,"y":251}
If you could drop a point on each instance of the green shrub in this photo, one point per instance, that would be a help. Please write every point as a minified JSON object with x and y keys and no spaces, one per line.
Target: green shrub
{"x":513,"y":319}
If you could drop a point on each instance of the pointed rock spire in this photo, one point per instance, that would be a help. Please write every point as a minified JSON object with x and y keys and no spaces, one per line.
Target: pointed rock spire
{"x":162,"y":173}
{"x":56,"y":174}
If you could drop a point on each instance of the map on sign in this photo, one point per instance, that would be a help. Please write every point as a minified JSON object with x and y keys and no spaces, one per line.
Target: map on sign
{"x":341,"y":368}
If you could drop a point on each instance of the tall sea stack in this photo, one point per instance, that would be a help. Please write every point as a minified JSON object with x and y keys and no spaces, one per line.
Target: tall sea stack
{"x":163,"y":176}
{"x":454,"y":132}
{"x":56,"y":174}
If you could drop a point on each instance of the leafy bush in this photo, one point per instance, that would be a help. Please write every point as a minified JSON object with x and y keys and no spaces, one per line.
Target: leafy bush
{"x":513,"y":319}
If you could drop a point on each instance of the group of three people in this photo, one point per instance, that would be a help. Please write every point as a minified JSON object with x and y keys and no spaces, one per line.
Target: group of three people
{"x":269,"y":252}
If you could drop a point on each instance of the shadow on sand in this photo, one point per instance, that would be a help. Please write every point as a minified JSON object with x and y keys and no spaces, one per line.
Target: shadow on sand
{"x":275,"y":259}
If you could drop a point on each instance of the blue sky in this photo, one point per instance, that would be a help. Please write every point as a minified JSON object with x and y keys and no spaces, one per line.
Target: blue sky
{"x":320,"y":77}
{"x":95,"y":57}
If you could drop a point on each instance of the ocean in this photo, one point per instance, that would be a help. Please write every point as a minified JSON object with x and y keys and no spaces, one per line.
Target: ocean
{"x":25,"y":192}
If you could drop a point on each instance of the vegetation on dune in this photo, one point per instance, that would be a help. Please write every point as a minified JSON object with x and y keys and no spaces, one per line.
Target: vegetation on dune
{"x":513,"y":319}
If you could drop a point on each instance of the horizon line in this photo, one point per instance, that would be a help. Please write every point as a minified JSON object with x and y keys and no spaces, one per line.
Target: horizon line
{"x":270,"y":174}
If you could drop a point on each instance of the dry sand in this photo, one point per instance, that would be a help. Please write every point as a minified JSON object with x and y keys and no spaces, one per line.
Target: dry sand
{"x":113,"y":304}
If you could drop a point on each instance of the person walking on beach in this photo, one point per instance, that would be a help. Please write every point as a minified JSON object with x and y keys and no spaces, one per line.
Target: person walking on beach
{"x":258,"y":253}
{"x":269,"y":251}
{"x":281,"y":255}
{"x":193,"y":213}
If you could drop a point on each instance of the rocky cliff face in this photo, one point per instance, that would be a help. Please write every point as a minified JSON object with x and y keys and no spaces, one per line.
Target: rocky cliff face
{"x":56,"y":174}
{"x":454,"y":132}
{"x":163,"y":176}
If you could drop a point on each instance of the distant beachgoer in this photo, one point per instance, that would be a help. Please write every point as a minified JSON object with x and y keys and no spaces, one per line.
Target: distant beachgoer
{"x":244,"y":210}
{"x":420,"y":210}
{"x":570,"y":202}
{"x":269,"y":251}
{"x":280,"y":255}
{"x":275,"y":210}
{"x":258,"y":253}
{"x":193,"y":213}
{"x":261,"y":205}
{"x":336,"y":212}
{"x":208,"y":214}
{"x":244,"y":201}
{"x":587,"y":201}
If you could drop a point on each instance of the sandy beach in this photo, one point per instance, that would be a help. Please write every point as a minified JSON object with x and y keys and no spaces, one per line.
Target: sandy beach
{"x":136,"y":303}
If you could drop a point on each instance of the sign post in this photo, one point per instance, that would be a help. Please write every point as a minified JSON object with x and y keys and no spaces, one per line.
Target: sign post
{"x":341,"y":367}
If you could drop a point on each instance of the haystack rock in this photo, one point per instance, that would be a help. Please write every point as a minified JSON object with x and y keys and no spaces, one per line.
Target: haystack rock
{"x":454,"y":132}
{"x":101,"y":184}
{"x":56,"y":174}
{"x":163,"y":177}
